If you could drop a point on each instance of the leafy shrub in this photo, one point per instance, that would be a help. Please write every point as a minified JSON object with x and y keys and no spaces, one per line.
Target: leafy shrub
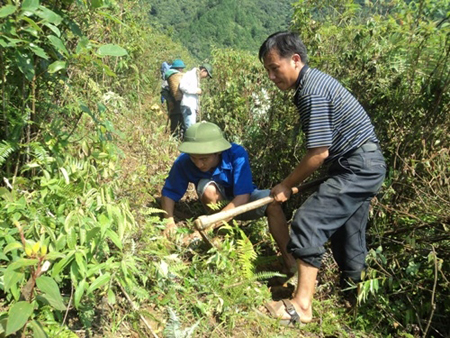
{"x":66,"y":238}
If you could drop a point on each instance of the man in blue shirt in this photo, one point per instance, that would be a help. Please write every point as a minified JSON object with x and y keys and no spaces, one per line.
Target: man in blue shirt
{"x":221,"y":172}
{"x":338,"y":132}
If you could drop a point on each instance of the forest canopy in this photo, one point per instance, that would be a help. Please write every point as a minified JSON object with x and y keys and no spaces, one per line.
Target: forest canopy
{"x":240,"y":24}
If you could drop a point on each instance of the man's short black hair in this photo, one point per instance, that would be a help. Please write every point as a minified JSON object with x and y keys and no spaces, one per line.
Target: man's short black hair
{"x":286,"y":43}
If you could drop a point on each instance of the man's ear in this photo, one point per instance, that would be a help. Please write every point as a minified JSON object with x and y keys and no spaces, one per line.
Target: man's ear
{"x":296,"y":58}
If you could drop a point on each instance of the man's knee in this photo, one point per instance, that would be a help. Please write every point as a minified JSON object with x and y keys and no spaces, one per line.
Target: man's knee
{"x":211,"y":194}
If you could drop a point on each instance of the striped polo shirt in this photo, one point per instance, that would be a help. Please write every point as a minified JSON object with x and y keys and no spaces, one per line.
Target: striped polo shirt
{"x":330,"y":116}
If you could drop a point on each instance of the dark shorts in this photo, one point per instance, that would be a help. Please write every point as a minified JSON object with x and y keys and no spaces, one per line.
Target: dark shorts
{"x":255,"y":195}
{"x":338,"y":211}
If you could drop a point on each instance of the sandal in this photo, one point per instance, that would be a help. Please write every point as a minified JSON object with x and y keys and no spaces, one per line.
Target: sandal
{"x":289,"y":308}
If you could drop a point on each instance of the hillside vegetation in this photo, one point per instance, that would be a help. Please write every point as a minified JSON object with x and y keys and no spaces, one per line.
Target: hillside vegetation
{"x":84,"y":151}
{"x":238,"y":24}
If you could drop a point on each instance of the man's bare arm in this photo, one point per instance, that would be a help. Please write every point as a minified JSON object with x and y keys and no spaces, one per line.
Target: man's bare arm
{"x":168,"y":205}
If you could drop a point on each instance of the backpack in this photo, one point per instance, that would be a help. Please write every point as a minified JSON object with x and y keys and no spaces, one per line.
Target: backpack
{"x":165,"y":89}
{"x":164,"y":68}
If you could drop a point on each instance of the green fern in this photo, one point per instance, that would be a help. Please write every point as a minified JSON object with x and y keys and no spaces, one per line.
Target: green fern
{"x":218,"y":206}
{"x":39,"y":152}
{"x":264,"y":275}
{"x":150,"y":211}
{"x":177,"y":267}
{"x":246,"y":255}
{"x":6,"y":149}
{"x":69,"y":191}
{"x":139,"y":292}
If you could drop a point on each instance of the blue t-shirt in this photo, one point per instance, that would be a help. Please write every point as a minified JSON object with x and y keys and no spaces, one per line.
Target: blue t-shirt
{"x":233,"y":173}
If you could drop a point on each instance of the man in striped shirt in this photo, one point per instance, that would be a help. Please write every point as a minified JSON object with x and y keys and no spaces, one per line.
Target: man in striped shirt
{"x":338,"y":133}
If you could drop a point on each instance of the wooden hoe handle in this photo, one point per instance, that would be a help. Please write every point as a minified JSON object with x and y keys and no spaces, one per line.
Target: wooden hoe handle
{"x":205,"y":221}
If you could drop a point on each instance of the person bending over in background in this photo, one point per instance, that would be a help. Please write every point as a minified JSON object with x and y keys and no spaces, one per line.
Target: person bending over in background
{"x":190,"y":86}
{"x":338,"y":132}
{"x":221,"y":172}
{"x":174,"y":76}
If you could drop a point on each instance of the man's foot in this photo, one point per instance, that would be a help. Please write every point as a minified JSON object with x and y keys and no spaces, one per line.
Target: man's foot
{"x":350,"y":290}
{"x":288,"y":312}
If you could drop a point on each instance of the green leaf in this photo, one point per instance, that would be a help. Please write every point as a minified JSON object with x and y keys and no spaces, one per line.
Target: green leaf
{"x":74,"y":28}
{"x":20,"y":263}
{"x":3,"y":191}
{"x":75,"y":271}
{"x":53,"y":28}
{"x":83,"y":44}
{"x":85,"y":108}
{"x":114,"y":238}
{"x":65,"y":174}
{"x":105,"y":68}
{"x":111,"y":297}
{"x":97,"y":267}
{"x":12,"y":246}
{"x":54,"y":255}
{"x":49,"y":15}
{"x":25,"y":65}
{"x":11,"y":42}
{"x":33,"y":24}
{"x":3,"y":321}
{"x":57,"y":66}
{"x":111,"y":50}
{"x":18,"y":316}
{"x":38,"y":331}
{"x":92,"y":234}
{"x":11,"y":278}
{"x":96,"y":3}
{"x":7,"y":10}
{"x":51,"y":292}
{"x":99,"y":282}
{"x":81,"y":262}
{"x":58,"y":44}
{"x":112,"y":18}
{"x":31,"y":31}
{"x":58,"y":267}
{"x":30,"y":5}
{"x":72,"y":238}
{"x":79,"y":291}
{"x":38,"y":51}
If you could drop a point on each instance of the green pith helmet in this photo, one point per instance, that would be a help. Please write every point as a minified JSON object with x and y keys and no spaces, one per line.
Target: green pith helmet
{"x":208,"y":69}
{"x":204,"y":138}
{"x":178,"y":64}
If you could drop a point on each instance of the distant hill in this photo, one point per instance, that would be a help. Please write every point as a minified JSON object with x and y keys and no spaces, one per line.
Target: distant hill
{"x":201,"y":24}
